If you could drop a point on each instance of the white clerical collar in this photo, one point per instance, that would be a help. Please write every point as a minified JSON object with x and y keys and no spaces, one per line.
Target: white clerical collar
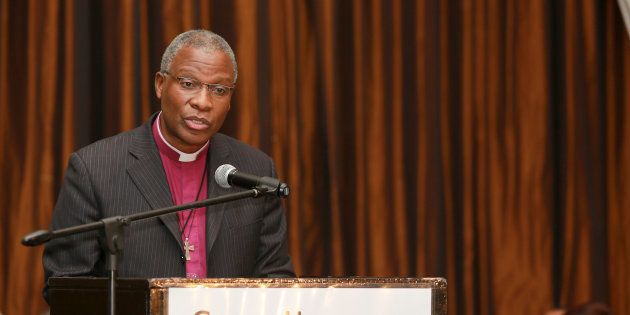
{"x":183,"y":156}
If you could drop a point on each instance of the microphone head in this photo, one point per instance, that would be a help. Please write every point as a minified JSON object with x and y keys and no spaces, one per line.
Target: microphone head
{"x":221,"y":175}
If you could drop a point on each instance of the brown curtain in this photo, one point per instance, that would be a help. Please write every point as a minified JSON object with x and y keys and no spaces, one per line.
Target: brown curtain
{"x":484,"y":141}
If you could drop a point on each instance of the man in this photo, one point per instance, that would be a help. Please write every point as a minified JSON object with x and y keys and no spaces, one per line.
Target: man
{"x":170,"y":160}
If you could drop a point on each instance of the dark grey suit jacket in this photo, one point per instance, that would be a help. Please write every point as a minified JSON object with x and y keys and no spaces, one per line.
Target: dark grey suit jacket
{"x":123,"y":174}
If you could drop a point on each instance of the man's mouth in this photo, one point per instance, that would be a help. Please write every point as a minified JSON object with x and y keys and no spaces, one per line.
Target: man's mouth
{"x":197,"y":123}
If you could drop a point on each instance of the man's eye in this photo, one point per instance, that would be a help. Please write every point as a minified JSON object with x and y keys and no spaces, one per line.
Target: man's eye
{"x":219,"y":90}
{"x":187,"y":84}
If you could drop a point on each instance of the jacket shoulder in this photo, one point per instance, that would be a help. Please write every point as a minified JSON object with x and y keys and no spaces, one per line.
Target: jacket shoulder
{"x":119,"y":142}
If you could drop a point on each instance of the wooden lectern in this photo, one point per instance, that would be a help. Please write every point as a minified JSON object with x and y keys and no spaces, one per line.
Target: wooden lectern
{"x":278,"y":296}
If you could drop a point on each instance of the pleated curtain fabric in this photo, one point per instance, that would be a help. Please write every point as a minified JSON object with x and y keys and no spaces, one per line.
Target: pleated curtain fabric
{"x":485,"y":141}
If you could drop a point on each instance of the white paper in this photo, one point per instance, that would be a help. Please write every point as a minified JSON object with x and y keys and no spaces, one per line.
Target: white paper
{"x":302,"y":301}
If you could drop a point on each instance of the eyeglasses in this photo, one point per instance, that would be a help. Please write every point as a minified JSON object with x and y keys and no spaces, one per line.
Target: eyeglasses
{"x":193,"y":86}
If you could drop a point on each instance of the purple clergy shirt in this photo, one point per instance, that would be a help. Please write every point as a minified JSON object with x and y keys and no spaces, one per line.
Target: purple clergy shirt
{"x":184,"y":174}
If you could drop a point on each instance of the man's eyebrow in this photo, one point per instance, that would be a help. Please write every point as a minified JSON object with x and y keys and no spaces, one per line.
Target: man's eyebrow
{"x":186,"y":74}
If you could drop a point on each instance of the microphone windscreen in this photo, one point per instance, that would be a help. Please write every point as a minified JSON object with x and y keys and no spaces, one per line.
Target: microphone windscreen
{"x":222,"y":173}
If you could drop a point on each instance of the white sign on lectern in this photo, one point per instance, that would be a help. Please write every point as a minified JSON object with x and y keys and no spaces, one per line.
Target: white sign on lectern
{"x":302,"y":301}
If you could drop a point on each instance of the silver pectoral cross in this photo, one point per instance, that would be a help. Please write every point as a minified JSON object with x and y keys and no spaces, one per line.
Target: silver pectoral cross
{"x":188,"y":248}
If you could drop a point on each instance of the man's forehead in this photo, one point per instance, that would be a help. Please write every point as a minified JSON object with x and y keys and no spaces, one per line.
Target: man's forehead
{"x":199,"y":62}
{"x":200,"y":57}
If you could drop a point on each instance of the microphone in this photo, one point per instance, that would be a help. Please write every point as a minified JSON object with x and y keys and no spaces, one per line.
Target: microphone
{"x":227,"y":176}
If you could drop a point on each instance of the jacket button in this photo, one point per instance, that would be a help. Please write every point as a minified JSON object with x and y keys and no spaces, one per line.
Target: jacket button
{"x":182,"y":259}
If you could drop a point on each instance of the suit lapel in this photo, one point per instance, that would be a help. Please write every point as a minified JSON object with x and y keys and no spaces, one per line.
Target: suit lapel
{"x":149,"y":176}
{"x":218,"y":153}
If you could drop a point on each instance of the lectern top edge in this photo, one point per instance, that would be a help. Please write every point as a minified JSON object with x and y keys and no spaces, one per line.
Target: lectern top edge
{"x":346,"y":282}
{"x":341,"y":282}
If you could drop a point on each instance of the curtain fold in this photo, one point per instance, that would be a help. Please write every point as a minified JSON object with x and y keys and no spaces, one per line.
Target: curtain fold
{"x":483,"y":141}
{"x":617,"y":143}
{"x":36,"y":102}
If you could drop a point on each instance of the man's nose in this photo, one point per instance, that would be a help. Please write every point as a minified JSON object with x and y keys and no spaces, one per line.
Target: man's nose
{"x":202,"y":100}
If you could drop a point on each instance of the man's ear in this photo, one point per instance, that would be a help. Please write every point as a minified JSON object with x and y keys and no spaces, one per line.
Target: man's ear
{"x":159,"y":84}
